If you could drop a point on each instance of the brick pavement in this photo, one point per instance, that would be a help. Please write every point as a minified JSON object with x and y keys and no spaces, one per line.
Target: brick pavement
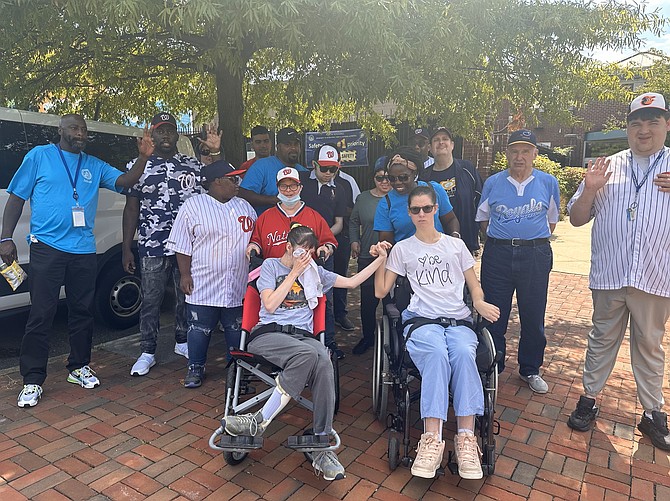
{"x":146,"y":438}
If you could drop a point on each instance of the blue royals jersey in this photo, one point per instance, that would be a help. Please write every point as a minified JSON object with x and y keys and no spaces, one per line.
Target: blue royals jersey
{"x":519,"y":210}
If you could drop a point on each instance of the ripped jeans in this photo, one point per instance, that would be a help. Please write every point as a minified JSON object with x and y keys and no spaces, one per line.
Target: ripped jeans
{"x":202,"y":321}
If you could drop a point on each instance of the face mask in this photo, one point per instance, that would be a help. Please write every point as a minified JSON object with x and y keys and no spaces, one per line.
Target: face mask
{"x":289,"y":201}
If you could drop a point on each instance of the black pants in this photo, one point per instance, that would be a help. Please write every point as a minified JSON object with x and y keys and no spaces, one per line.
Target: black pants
{"x":341,"y":267}
{"x":49,"y":270}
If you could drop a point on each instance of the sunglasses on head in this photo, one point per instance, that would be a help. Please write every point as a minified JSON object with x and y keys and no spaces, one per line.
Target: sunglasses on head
{"x":426,"y":209}
{"x":381,"y":179}
{"x":324,"y":169}
{"x":403,"y":178}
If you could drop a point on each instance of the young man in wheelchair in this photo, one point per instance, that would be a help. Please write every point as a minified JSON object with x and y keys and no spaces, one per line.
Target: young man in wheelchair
{"x":437,"y":266}
{"x":288,"y":288}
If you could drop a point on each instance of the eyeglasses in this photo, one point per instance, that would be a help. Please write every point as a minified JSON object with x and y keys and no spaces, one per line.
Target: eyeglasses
{"x":289,"y":187}
{"x":325,"y":169}
{"x":403,"y":178}
{"x":233,"y":179}
{"x":427,"y":209}
{"x":381,"y":179}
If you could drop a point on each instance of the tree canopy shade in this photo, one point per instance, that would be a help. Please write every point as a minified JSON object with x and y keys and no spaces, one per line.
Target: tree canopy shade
{"x":308,"y":62}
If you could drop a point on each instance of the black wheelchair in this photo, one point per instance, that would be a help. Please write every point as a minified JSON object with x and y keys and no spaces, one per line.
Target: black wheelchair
{"x":393,"y":372}
{"x":245,"y":370}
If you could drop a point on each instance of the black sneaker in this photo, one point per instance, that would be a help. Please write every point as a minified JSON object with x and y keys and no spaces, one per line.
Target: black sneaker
{"x":338,"y":353}
{"x":656,"y":429}
{"x":362,"y":346}
{"x":583,"y":417}
{"x":344,"y":323}
{"x":194,"y":377}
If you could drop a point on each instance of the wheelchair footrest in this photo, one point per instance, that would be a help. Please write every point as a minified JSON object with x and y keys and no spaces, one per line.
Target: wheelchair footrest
{"x":308,"y":442}
{"x":241,"y":442}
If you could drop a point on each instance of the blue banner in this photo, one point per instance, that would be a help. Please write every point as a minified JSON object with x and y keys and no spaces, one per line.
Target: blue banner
{"x":353,"y":146}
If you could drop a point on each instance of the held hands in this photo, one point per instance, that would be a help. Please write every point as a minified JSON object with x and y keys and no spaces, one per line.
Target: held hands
{"x":380,"y":249}
{"x":596,"y":174}
{"x":662,"y":180}
{"x":487,"y":310}
{"x":186,"y":284}
{"x":212,"y":140}
{"x":8,"y":252}
{"x":145,"y":144}
{"x":355,"y":249}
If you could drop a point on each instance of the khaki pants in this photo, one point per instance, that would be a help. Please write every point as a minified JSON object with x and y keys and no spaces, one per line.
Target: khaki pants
{"x":648,"y":314}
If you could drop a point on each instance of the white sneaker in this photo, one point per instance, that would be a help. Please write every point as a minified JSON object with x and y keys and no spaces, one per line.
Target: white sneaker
{"x":143,"y":364}
{"x":84,"y":377}
{"x":428,"y":456}
{"x":181,"y":349}
{"x":30,"y":395}
{"x":467,"y":454}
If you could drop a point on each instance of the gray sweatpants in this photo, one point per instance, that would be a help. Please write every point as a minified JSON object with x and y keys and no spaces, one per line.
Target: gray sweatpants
{"x":305,"y":361}
{"x":648,"y":314}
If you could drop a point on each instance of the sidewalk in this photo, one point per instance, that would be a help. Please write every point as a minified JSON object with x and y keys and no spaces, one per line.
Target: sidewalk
{"x":146,"y":438}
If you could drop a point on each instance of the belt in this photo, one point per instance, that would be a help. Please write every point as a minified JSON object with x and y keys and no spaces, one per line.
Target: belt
{"x":275,"y":327}
{"x":517,"y":242}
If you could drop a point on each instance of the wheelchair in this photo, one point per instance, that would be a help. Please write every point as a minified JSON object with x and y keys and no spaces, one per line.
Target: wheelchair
{"x":393,"y":372}
{"x":245,"y":369}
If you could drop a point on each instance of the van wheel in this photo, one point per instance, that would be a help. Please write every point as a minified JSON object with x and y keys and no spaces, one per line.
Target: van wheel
{"x":117,"y":297}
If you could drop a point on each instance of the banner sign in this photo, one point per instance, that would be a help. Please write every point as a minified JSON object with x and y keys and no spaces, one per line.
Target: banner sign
{"x":352,"y":143}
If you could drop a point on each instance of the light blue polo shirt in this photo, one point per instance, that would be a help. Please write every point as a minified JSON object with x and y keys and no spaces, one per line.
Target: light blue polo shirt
{"x":519,"y":210}
{"x":42,"y":179}
{"x":261,"y":177}
{"x":396,"y":218}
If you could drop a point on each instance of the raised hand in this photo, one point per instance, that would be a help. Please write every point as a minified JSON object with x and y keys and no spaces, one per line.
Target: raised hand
{"x":212,"y":139}
{"x":596,"y":174}
{"x":145,"y":144}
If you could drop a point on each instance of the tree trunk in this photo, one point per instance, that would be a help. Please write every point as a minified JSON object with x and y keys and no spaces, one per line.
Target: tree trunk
{"x":230,"y":106}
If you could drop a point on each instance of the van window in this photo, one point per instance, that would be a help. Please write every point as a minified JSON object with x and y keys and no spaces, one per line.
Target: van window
{"x":115,"y":149}
{"x":12,"y":150}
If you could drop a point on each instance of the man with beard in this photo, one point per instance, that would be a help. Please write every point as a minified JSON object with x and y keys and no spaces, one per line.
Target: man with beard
{"x":154,"y":201}
{"x":62,"y":184}
{"x":259,"y":186}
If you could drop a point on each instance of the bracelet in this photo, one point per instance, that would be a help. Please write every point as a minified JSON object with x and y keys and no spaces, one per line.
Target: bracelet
{"x":455,"y":234}
{"x":214,"y":153}
{"x":3,"y":240}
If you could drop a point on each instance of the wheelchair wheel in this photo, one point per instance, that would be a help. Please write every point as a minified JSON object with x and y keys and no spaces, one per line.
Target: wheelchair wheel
{"x":380,"y":367}
{"x":394,"y":451}
{"x":233,"y":458}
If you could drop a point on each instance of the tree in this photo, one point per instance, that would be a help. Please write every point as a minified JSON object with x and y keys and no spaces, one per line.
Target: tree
{"x":307,"y":62}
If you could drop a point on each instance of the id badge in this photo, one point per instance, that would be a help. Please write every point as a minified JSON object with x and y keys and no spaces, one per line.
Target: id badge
{"x":78,"y":219}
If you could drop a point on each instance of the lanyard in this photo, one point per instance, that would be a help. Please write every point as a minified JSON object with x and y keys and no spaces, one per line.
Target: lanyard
{"x":73,"y":182}
{"x":639,"y":185}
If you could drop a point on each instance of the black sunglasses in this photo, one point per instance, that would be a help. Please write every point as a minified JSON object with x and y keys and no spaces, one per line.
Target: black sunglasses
{"x":325,"y":169}
{"x":426,"y":209}
{"x":204,"y":152}
{"x":403,"y":178}
{"x":381,"y":179}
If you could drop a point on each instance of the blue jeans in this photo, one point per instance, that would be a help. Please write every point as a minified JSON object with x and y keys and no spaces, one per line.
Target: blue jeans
{"x":202,"y":321}
{"x":156,"y":271}
{"x":506,"y":269}
{"x":444,"y":357}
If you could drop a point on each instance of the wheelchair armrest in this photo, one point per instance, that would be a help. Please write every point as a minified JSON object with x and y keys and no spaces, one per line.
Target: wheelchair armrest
{"x":392,"y":311}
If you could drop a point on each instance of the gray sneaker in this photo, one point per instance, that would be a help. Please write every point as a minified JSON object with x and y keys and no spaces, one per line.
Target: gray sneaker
{"x":535,"y":383}
{"x":327,"y":463}
{"x":249,"y":425}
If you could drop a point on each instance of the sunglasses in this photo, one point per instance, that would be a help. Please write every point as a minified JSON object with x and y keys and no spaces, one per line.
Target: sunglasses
{"x":325,"y":169}
{"x":427,"y":209}
{"x":403,"y":178}
{"x":205,"y":152}
{"x":381,"y":179}
{"x":233,"y":179}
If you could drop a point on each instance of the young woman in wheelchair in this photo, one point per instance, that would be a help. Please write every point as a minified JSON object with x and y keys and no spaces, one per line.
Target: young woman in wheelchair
{"x":288,"y":289}
{"x":437,"y":266}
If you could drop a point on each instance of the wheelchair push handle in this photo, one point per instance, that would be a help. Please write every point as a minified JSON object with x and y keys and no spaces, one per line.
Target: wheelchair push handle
{"x":322,"y":258}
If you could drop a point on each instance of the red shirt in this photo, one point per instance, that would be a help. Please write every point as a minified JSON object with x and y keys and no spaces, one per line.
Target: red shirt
{"x":272,"y":227}
{"x":245,"y":166}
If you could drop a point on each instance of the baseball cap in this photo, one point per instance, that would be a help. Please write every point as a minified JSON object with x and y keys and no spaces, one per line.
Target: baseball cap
{"x":286,"y":135}
{"x":380,"y":164}
{"x":647,"y":100}
{"x":163,"y":118}
{"x":328,"y":156}
{"x":259,"y":129}
{"x":288,"y":173}
{"x":442,"y":129}
{"x":522,"y":136}
{"x":423,"y":132}
{"x":218,"y":169}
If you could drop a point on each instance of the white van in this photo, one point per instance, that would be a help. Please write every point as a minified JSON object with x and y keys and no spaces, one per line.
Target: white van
{"x":117,"y":297}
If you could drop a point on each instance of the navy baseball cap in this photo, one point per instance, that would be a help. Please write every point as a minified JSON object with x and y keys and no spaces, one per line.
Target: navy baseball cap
{"x":442,"y":129}
{"x":163,"y":118}
{"x":380,"y":164}
{"x":423,"y":132}
{"x":522,"y":136}
{"x":218,"y":169}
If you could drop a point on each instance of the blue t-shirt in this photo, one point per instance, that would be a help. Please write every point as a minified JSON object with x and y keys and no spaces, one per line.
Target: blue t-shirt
{"x":42,"y":179}
{"x":294,"y":309}
{"x":261,"y":177}
{"x":519,"y":210}
{"x":397,"y":219}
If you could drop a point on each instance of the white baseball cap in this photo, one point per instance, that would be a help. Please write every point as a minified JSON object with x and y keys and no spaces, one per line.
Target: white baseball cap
{"x":328,"y":156}
{"x":648,"y":100}
{"x":288,"y":173}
